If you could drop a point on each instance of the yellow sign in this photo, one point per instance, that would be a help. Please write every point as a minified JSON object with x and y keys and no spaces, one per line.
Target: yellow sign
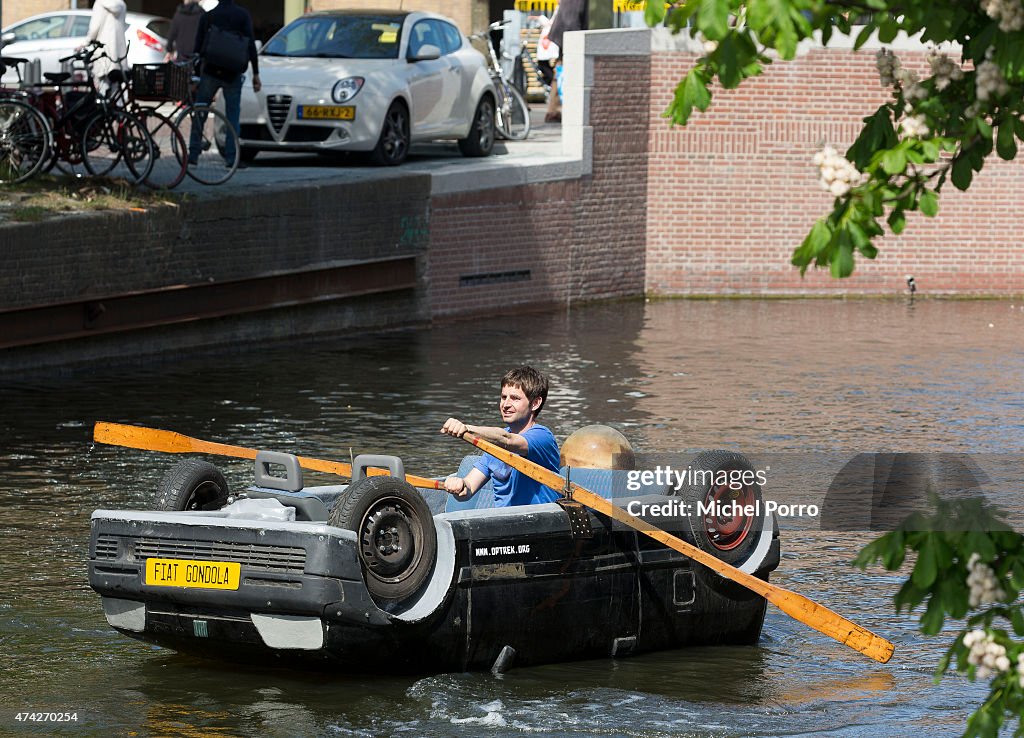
{"x":193,"y":573}
{"x":327,"y":112}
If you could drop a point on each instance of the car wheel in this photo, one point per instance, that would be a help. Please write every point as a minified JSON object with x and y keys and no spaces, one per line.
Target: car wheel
{"x":192,"y":485}
{"x":393,"y":144}
{"x":480,"y":140}
{"x":396,"y":536}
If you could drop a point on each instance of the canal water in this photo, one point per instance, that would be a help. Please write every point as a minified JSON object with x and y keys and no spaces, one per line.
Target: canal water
{"x":771,"y":377}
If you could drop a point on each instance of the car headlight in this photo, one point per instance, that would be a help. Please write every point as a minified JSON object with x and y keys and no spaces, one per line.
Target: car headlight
{"x":345,"y":89}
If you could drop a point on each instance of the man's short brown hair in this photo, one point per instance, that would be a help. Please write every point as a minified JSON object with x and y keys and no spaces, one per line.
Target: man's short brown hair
{"x":530,"y":381}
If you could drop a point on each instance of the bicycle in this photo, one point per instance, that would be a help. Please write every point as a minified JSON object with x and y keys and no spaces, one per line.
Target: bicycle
{"x":207,"y":132}
{"x":25,"y":134}
{"x":87,"y":127}
{"x":512,"y":114}
{"x":158,"y":84}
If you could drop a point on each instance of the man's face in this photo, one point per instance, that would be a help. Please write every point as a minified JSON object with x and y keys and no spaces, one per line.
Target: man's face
{"x":515,"y":408}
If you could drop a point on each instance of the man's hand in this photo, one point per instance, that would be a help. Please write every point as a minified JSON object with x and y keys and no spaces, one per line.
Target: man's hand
{"x":457,"y":487}
{"x":454,"y":427}
{"x":256,"y":84}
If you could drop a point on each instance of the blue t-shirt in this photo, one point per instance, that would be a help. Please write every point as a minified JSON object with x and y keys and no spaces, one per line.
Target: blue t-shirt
{"x":514,"y":488}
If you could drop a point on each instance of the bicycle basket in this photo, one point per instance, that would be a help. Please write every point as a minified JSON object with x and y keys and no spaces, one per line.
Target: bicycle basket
{"x":167,"y":81}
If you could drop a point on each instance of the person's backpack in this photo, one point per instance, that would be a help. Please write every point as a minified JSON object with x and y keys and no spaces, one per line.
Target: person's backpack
{"x":227,"y":50}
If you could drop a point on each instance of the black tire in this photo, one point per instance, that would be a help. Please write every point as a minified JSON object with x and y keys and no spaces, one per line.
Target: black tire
{"x":393,"y":145}
{"x":192,"y":485}
{"x":388,"y":513}
{"x":480,"y":140}
{"x":733,"y":537}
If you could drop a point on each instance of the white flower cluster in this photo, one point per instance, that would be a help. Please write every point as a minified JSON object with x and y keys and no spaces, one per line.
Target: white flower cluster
{"x":985,"y":588}
{"x":944,"y":69}
{"x":989,"y":81}
{"x":914,"y":126}
{"x":838,"y":174}
{"x":888,"y":65}
{"x":986,"y":654}
{"x":1009,"y":13}
{"x":913,"y":91}
{"x":1020,"y":669}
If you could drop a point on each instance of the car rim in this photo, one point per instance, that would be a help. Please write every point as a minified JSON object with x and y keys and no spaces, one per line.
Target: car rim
{"x":727,"y":522}
{"x":486,"y":126}
{"x":395,"y":138}
{"x":387,"y":539}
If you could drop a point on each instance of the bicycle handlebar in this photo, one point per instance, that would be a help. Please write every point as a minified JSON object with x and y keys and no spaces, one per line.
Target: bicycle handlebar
{"x":83,"y":53}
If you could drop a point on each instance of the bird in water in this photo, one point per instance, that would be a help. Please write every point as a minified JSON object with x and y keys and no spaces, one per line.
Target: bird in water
{"x":912,"y":286}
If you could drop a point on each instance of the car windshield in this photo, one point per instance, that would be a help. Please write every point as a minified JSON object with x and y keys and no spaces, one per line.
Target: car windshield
{"x":339,"y":37}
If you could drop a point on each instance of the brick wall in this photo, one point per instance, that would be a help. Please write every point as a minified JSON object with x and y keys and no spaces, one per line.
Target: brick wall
{"x":733,"y":193}
{"x":549,"y":243}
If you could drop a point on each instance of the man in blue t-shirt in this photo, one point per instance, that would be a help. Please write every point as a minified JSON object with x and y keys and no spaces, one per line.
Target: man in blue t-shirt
{"x":523,"y":392}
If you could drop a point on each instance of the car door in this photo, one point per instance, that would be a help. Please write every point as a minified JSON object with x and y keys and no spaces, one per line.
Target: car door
{"x":44,"y":38}
{"x":462,"y":67}
{"x":432,"y":83}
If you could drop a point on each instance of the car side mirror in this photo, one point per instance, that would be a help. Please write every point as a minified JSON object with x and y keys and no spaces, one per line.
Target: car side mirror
{"x":259,"y":46}
{"x":9,"y":37}
{"x":426,"y":53}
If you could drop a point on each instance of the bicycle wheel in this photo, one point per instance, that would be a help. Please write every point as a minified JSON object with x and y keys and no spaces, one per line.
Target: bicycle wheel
{"x":170,"y":156}
{"x":116,"y":144}
{"x":208,"y":138}
{"x":24,"y":141}
{"x":512,"y":114}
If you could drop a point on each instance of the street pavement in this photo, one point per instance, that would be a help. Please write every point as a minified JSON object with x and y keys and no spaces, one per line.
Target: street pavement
{"x":542,"y":146}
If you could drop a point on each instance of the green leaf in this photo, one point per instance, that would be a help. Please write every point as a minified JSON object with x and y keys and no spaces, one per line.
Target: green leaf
{"x":713,"y":18}
{"x":864,"y":35}
{"x":927,"y":567}
{"x":887,"y":30}
{"x":894,"y":161}
{"x":654,"y":12}
{"x":1006,"y":145}
{"x":897,"y":221}
{"x":877,"y":134}
{"x":729,"y":63}
{"x":842,"y":261}
{"x":691,"y":93}
{"x":929,"y":203}
{"x":962,"y":173}
{"x":930,"y":150}
{"x":931,"y":621}
{"x":1017,"y":620}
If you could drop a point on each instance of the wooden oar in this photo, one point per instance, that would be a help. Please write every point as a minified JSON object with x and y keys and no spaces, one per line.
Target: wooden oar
{"x":152,"y":439}
{"x":795,"y":605}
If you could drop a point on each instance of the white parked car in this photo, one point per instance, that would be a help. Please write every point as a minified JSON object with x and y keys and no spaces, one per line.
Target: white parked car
{"x":51,"y":36}
{"x":373,"y":81}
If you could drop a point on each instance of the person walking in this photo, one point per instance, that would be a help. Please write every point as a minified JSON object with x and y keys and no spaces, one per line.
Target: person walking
{"x":571,"y":15}
{"x":181,"y":39}
{"x":108,"y":25}
{"x":223,"y":21}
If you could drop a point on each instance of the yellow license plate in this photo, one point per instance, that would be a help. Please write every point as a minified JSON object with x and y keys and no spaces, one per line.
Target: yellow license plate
{"x":327,"y":112}
{"x":193,"y":573}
